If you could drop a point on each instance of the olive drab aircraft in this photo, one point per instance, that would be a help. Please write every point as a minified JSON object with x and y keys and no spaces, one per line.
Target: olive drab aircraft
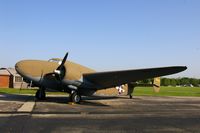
{"x":78,"y":80}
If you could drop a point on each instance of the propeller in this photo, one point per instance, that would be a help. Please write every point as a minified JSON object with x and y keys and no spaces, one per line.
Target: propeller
{"x":59,"y":73}
{"x":60,"y":68}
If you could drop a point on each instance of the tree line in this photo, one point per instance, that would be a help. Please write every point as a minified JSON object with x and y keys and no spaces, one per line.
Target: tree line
{"x":180,"y":82}
{"x":175,"y":82}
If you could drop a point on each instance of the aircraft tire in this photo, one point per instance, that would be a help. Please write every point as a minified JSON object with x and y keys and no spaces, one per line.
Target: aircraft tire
{"x":75,"y":97}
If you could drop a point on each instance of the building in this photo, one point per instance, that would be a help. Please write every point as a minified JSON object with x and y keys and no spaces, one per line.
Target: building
{"x":9,"y":78}
{"x":5,"y":79}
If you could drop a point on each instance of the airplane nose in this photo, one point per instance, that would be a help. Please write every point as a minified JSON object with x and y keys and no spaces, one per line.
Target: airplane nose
{"x":33,"y":69}
{"x":19,"y":67}
{"x":26,"y":68}
{"x":29,"y":69}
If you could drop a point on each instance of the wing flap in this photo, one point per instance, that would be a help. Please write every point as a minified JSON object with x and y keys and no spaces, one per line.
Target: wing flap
{"x":104,"y":80}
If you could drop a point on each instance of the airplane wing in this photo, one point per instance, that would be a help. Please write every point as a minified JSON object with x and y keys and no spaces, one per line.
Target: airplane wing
{"x":104,"y":80}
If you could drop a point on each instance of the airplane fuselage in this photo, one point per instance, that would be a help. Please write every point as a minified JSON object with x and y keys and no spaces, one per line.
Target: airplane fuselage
{"x":35,"y":70}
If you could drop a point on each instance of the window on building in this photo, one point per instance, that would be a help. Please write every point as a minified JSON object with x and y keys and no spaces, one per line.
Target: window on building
{"x":18,"y":79}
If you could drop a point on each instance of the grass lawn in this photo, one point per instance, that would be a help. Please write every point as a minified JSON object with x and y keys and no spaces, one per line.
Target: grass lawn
{"x":168,"y":91}
{"x":139,"y":91}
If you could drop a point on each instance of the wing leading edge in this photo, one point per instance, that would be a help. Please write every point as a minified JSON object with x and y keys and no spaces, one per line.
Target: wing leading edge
{"x":104,"y":80}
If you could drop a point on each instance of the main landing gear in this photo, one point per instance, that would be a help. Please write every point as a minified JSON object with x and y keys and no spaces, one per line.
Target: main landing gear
{"x":75,"y":97}
{"x":40,"y":94}
{"x":131,"y":88}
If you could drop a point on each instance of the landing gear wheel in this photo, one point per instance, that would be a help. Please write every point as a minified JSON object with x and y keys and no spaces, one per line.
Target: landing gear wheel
{"x":40,"y":94}
{"x":75,"y":97}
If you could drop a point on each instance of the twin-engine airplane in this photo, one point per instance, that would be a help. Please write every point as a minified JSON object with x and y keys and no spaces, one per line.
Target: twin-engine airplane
{"x":77,"y":80}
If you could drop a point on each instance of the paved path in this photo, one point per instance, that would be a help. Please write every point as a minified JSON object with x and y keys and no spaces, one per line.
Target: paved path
{"x":142,"y":114}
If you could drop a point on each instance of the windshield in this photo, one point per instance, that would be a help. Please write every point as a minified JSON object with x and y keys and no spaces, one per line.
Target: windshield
{"x":57,"y":60}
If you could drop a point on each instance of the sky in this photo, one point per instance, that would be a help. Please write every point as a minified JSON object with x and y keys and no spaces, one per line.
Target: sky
{"x":103,"y":34}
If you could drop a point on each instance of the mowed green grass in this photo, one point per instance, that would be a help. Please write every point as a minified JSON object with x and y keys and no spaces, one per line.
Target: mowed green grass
{"x":168,"y":91}
{"x":139,"y":91}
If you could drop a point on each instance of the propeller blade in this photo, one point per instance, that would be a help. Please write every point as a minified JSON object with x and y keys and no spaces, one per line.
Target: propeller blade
{"x":63,"y":61}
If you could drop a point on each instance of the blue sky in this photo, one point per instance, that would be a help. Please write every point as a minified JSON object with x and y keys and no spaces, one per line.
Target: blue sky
{"x":103,"y":34}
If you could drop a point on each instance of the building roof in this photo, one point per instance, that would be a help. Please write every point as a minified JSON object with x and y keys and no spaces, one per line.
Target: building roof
{"x":8,"y":71}
{"x":12,"y":71}
{"x":4,"y":72}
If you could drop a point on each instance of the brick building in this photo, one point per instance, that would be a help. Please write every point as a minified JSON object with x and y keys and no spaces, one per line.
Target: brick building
{"x":9,"y":78}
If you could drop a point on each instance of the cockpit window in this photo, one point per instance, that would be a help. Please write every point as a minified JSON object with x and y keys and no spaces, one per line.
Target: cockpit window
{"x":56,"y":60}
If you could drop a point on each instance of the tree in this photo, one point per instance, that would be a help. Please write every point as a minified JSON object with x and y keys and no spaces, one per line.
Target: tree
{"x":194,"y":82}
{"x":146,"y":81}
{"x":165,"y":82}
{"x":173,"y":82}
{"x":178,"y":82}
{"x":185,"y":81}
